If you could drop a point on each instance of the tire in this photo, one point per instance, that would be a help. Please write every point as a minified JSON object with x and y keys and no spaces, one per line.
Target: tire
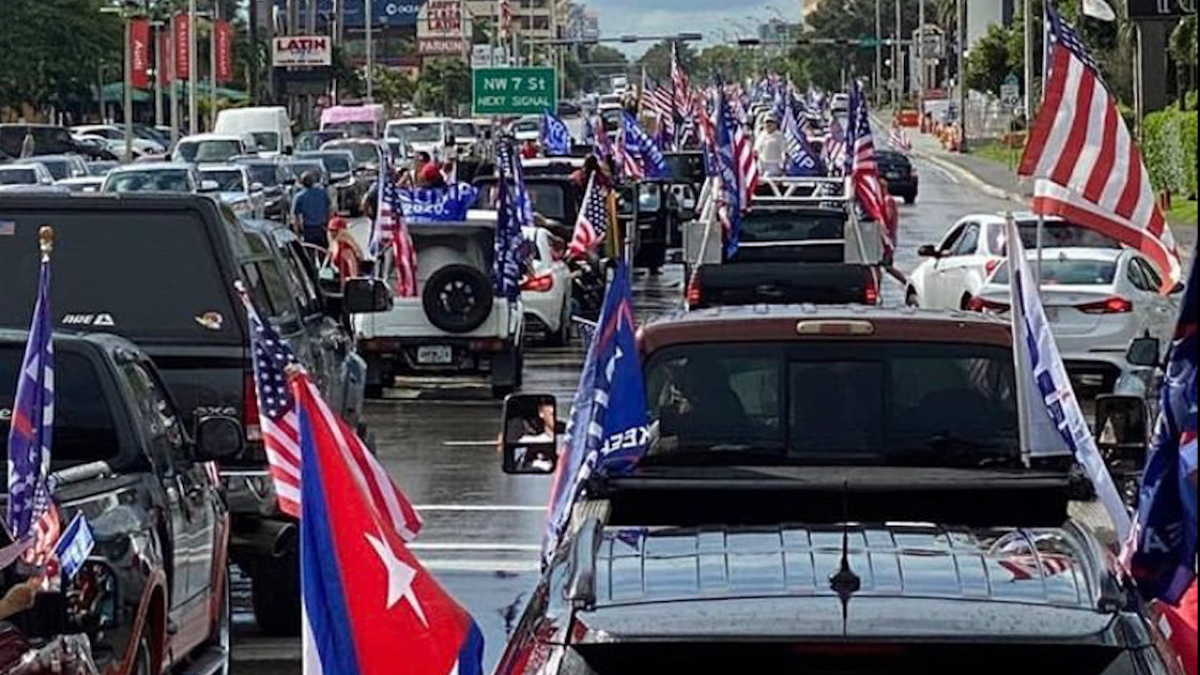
{"x":143,"y":663}
{"x":223,"y":637}
{"x":276,"y":594}
{"x":373,"y":392}
{"x":502,"y":389}
{"x":910,"y":199}
{"x":458,"y":299}
{"x":965,"y":303}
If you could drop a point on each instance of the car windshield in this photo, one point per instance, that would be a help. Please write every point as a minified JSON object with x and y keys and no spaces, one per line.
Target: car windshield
{"x":298,"y":169}
{"x":364,"y":153}
{"x":527,"y":127}
{"x":58,"y":168}
{"x":313,"y":140}
{"x":84,"y":428}
{"x":265,"y":174}
{"x":336,"y":163}
{"x":420,"y":132}
{"x":761,"y":227}
{"x":464,"y":131}
{"x":226,"y":180}
{"x":549,"y":200}
{"x":175,"y":180}
{"x":889,"y":403}
{"x":1063,"y":272}
{"x":18,"y":176}
{"x":267,"y":141}
{"x":200,"y":152}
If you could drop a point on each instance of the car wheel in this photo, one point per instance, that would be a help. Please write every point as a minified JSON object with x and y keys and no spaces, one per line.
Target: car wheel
{"x":276,"y":594}
{"x":144,"y":661}
{"x":373,"y":392}
{"x":458,"y":299}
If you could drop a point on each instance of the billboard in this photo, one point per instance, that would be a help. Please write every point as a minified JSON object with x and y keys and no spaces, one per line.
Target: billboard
{"x":223,"y":39}
{"x":139,"y":52}
{"x":183,"y":45}
{"x":384,"y":13}
{"x":440,"y":28}
{"x":302,"y":51}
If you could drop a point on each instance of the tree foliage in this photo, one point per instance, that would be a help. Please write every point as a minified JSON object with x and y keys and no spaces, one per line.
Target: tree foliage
{"x":849,"y":19}
{"x":992,"y":60}
{"x":657,"y":61}
{"x":444,"y":86}
{"x":52,"y":51}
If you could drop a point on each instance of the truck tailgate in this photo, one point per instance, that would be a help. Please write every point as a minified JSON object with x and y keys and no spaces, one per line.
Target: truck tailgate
{"x":785,"y":283}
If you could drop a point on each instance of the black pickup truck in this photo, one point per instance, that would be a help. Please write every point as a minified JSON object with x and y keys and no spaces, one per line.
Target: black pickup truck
{"x":154,"y":595}
{"x":160,"y":271}
{"x":800,"y":243}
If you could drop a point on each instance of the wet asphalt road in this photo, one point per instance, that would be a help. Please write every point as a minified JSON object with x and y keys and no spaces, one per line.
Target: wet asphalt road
{"x":483,"y":529}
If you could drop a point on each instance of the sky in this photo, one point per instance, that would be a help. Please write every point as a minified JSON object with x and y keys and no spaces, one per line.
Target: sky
{"x":670,"y":17}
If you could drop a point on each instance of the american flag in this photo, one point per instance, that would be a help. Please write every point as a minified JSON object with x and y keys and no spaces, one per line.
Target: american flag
{"x":899,"y":140}
{"x":506,"y":17}
{"x":32,"y":515}
{"x":391,"y":229}
{"x":864,"y":169}
{"x":594,"y":218}
{"x":601,"y":142}
{"x":749,"y":171}
{"x":640,"y":155}
{"x":682,"y":84}
{"x":835,"y":148}
{"x":1088,"y":167}
{"x":281,"y":435}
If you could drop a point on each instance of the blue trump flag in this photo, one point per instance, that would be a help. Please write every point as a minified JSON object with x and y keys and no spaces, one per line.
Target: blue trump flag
{"x":514,"y":211}
{"x":437,"y":205}
{"x":730,"y":174}
{"x":643,"y":149}
{"x":1162,"y":552}
{"x":31,"y":432}
{"x":556,"y":137}
{"x":802,"y":160}
{"x":608,"y":431}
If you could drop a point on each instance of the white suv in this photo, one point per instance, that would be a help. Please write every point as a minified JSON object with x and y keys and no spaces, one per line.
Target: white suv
{"x":456,"y":325}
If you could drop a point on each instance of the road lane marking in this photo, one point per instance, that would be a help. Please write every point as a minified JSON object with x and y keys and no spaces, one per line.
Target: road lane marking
{"x":478,"y":548}
{"x":480,"y":508}
{"x":470,"y":444}
{"x":531,"y":566}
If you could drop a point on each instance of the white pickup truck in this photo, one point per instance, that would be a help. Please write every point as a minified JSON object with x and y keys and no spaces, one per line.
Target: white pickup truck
{"x":455,"y":325}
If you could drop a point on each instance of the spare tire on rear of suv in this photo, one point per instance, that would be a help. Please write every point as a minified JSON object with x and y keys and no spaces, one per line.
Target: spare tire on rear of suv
{"x":458,"y":298}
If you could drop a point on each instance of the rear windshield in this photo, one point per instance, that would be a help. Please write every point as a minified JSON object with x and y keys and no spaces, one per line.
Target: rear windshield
{"x":58,"y":168}
{"x":420,"y":132}
{"x":227,"y":181}
{"x":1069,"y":273}
{"x":847,"y":659}
{"x":150,"y":275}
{"x":267,"y":141}
{"x":46,"y":140}
{"x":875,"y":403}
{"x":767,"y":227}
{"x":265,"y":174}
{"x":337,"y":163}
{"x":1064,"y":235}
{"x":148,"y":181}
{"x":363,"y":152}
{"x":201,"y":152}
{"x":549,"y":200}
{"x":84,"y":430}
{"x":11,"y":176}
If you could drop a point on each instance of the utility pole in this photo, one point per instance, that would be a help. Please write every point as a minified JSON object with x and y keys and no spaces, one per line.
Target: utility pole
{"x":1030,"y":72}
{"x":127,"y":104}
{"x":158,"y":73}
{"x":254,"y":85}
{"x":921,"y":68}
{"x":898,"y":56}
{"x":963,"y":97}
{"x":216,"y":18}
{"x":878,"y":51}
{"x":173,"y":82}
{"x":193,"y":66}
{"x":370,"y":40}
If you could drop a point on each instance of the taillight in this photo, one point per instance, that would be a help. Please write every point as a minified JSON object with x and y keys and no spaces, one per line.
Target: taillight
{"x":871,"y":291}
{"x":250,"y":418}
{"x":1113,"y":305}
{"x":542,"y":284}
{"x":695,"y":292}
{"x":984,"y":305}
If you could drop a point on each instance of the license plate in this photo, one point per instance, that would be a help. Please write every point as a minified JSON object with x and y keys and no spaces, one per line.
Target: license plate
{"x":435,"y":356}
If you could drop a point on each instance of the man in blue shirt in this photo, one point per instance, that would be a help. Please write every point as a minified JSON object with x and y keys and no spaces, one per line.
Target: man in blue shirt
{"x":311,"y":211}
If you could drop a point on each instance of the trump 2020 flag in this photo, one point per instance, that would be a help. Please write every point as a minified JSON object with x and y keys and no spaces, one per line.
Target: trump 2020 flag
{"x":369,"y":606}
{"x":608,"y":431}
{"x":1045,"y":391}
{"x":556,"y":137}
{"x":1162,"y":554}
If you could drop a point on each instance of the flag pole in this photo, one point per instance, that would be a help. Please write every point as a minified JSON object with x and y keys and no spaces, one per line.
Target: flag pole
{"x":46,"y":242}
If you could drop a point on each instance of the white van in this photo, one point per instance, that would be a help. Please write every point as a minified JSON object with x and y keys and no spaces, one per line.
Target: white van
{"x":432,"y":135}
{"x":270,"y":126}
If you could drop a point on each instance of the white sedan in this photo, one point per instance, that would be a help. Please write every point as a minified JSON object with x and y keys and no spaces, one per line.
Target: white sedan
{"x":546,"y":290}
{"x":1097,"y":301}
{"x":955,"y":270}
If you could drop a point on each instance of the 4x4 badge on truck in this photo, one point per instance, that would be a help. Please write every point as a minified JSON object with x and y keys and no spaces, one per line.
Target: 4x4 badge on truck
{"x":211,"y":320}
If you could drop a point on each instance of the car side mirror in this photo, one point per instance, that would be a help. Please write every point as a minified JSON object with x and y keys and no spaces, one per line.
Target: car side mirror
{"x":257,"y":187}
{"x":367,"y":296}
{"x":1145,"y":352}
{"x":929,"y":251}
{"x":531,"y":434}
{"x":219,"y":438}
{"x":1122,"y":425}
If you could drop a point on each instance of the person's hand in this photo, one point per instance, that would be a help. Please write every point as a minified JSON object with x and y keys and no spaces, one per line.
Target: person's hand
{"x":20,"y":598}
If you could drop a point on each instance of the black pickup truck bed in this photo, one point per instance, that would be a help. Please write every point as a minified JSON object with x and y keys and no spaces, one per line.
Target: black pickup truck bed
{"x":783,"y":283}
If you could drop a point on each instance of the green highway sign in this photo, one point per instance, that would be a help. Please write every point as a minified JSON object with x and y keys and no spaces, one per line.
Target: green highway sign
{"x":514,"y":91}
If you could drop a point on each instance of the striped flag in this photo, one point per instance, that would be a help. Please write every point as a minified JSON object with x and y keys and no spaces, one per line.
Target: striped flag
{"x":864,"y":168}
{"x":802,"y":160}
{"x":681,"y":84}
{"x":392,"y":230}
{"x":899,"y":140}
{"x":32,"y":514}
{"x":595,"y":218}
{"x":640,"y":155}
{"x":281,"y":435}
{"x":729,"y":200}
{"x":1087,"y":166}
{"x":835,"y":148}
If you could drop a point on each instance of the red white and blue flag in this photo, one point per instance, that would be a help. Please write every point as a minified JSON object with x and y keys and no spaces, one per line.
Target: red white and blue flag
{"x":835,"y":148}
{"x":594,"y":218}
{"x":279,"y":417}
{"x":32,"y":514}
{"x":1086,"y":163}
{"x":1162,"y":553}
{"x":370,"y":608}
{"x":641,"y":156}
{"x":863,"y":165}
{"x":391,"y":230}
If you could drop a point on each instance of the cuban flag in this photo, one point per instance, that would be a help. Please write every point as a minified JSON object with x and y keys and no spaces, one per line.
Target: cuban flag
{"x":1162,"y":553}
{"x":1045,"y":391}
{"x":32,"y":514}
{"x":369,"y":606}
{"x":608,"y":432}
{"x":556,"y":137}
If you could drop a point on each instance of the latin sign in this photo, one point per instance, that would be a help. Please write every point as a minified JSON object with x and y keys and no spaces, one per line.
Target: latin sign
{"x":514,"y":91}
{"x":312,"y":51}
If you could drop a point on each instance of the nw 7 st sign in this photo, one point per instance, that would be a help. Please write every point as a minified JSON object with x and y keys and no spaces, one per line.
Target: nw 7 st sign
{"x":515,"y":91}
